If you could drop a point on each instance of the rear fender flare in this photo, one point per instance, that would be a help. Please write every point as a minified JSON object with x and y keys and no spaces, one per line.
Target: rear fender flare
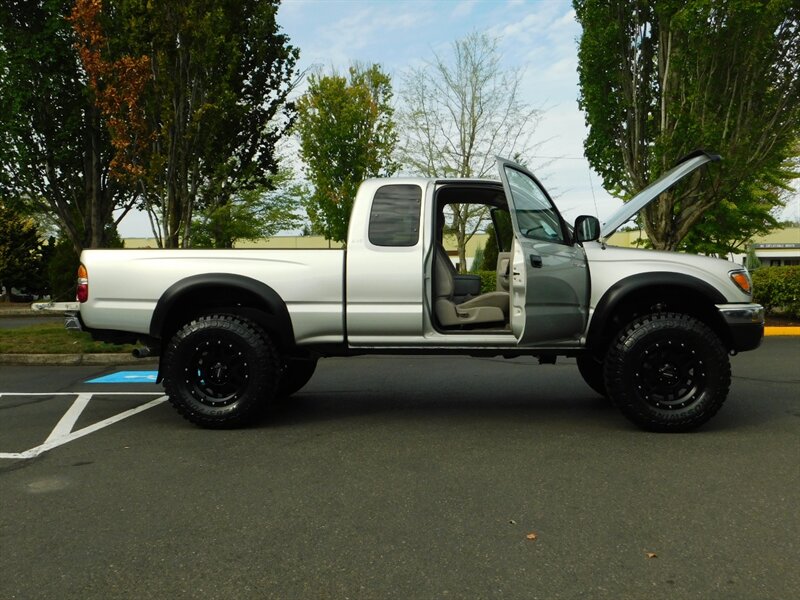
{"x":266,"y":300}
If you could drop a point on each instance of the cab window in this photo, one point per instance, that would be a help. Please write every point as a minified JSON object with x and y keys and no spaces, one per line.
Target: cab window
{"x":394,"y":219}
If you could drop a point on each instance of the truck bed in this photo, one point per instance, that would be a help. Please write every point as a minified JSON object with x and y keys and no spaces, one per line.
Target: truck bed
{"x":125,"y":285}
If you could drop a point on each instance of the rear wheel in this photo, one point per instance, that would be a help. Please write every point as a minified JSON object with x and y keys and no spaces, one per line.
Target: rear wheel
{"x":668,"y":372}
{"x":220,"y":371}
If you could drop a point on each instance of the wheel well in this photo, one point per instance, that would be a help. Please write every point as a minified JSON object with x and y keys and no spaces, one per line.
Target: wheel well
{"x":656,"y":298}
{"x":195,"y":301}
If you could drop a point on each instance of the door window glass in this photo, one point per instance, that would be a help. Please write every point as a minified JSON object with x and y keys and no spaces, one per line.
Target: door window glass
{"x":536,"y":216}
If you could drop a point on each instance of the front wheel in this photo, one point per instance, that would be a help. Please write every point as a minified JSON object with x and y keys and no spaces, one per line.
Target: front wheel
{"x":667,"y":372}
{"x":220,"y":371}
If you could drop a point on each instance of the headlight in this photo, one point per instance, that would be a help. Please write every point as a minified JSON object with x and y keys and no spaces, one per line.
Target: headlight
{"x":742,"y":280}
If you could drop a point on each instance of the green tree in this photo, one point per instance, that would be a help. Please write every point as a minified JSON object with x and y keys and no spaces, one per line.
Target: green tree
{"x":54,"y":147}
{"x":347,"y":134}
{"x":659,"y":79}
{"x":62,"y":270}
{"x":490,"y":250}
{"x":21,"y":253}
{"x":201,"y":130}
{"x":253,"y":214}
{"x":751,"y":261}
{"x":459,"y":112}
{"x":477,"y":261}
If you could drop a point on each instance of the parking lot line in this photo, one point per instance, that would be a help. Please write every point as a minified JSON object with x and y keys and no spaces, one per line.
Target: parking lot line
{"x":62,"y":433}
{"x":67,"y":422}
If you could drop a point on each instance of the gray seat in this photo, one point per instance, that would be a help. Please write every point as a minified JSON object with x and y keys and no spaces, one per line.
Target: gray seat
{"x":491,"y":307}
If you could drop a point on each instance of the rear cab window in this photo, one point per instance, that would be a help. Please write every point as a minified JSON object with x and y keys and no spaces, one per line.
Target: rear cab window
{"x":395,"y":215}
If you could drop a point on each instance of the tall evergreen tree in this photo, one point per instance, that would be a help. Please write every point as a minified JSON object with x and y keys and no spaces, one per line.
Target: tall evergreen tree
{"x":660,"y":79}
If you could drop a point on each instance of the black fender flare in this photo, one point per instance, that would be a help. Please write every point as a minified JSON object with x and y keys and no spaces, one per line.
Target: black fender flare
{"x":268,"y":299}
{"x":623,"y":289}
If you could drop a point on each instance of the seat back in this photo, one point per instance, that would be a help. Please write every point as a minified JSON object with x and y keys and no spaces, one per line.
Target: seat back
{"x":444,"y":270}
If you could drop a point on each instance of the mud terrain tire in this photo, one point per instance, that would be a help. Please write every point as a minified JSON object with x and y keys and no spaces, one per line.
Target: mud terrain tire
{"x":220,"y":371}
{"x":667,"y":372}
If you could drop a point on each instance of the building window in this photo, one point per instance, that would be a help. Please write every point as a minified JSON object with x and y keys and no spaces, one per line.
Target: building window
{"x":394,"y":220}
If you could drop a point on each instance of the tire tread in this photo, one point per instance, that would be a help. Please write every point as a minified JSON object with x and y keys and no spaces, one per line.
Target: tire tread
{"x":636,"y":410}
{"x":243,"y":411}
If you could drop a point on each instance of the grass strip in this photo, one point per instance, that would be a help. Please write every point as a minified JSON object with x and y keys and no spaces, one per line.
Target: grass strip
{"x":52,"y":338}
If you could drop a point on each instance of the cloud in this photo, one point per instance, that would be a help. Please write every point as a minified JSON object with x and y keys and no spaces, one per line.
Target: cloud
{"x":340,"y":37}
{"x":463,"y":9}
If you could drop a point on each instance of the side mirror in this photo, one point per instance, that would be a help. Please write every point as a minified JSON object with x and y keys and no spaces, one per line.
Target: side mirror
{"x":587,"y":228}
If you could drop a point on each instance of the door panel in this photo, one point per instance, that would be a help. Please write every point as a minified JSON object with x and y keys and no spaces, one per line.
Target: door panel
{"x":384,"y":272}
{"x":550,"y":278}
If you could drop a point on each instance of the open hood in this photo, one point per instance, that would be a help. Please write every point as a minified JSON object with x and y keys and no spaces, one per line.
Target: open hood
{"x":686,"y":165}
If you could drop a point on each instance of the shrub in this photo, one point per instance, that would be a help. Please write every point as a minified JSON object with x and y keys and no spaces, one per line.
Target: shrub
{"x":778,"y":289}
{"x":488,"y":281}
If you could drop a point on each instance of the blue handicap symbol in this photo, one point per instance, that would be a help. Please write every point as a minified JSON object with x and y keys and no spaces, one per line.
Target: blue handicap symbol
{"x":127,"y":377}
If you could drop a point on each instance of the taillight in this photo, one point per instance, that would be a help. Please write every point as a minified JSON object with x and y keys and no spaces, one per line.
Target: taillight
{"x":82,"y":294}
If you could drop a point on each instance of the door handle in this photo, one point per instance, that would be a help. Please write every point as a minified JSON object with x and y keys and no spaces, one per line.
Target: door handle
{"x":536,"y":261}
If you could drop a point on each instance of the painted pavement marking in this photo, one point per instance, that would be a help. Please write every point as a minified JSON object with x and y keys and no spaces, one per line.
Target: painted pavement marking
{"x":127,"y":377}
{"x":62,"y":433}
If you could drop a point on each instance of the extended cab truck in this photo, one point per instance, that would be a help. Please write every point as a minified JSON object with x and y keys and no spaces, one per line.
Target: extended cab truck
{"x":238,"y":328}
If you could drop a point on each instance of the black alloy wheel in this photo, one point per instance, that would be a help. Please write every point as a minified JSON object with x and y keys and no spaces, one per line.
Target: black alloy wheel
{"x":220,"y":371}
{"x":667,"y":372}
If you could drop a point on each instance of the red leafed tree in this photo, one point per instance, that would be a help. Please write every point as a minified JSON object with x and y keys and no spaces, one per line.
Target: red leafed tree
{"x":195,"y":97}
{"x":117,"y":86}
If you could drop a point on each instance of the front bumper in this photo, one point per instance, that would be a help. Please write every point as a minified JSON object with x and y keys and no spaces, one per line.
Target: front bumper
{"x":745,"y":324}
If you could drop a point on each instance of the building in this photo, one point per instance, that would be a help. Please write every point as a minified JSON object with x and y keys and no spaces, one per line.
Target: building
{"x":778,"y":248}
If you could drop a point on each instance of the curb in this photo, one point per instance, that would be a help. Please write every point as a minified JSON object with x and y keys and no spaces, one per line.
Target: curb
{"x":21,"y":312}
{"x":71,"y":360}
{"x":781,"y":331}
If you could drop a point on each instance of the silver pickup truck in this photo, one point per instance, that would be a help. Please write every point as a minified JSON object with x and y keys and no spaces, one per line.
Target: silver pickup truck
{"x":236,"y":329}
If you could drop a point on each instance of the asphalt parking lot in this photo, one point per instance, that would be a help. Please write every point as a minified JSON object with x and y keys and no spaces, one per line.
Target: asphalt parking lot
{"x":399,"y":477}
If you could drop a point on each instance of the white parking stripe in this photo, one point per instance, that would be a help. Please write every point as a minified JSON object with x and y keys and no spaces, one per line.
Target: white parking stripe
{"x":14,"y":394}
{"x":68,"y":436}
{"x":67,"y":422}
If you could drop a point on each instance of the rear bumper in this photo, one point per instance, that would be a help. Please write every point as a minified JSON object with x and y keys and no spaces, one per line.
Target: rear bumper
{"x":745,"y":324}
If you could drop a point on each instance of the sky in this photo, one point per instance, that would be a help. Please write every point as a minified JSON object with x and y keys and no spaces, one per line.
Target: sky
{"x":537,"y":36}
